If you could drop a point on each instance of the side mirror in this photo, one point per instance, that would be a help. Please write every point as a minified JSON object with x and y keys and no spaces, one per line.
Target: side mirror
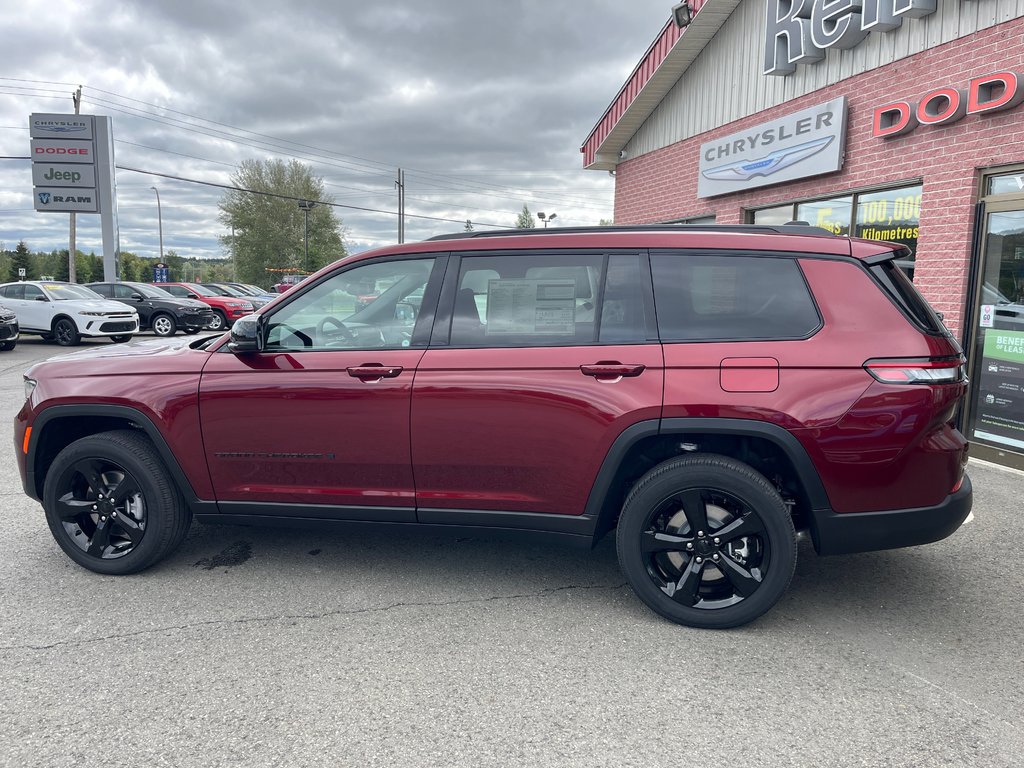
{"x":247,"y":335}
{"x":41,"y":298}
{"x":137,"y":297}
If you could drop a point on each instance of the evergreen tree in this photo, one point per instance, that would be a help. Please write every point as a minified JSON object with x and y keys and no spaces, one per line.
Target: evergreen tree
{"x":21,"y":259}
{"x":525,"y":219}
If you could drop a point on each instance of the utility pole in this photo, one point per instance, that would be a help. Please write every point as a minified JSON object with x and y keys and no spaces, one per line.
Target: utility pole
{"x":401,"y":205}
{"x":76,"y":97}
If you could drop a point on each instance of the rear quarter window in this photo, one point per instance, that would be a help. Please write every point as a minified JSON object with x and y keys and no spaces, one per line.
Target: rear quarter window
{"x":901,"y":291}
{"x":702,"y":297}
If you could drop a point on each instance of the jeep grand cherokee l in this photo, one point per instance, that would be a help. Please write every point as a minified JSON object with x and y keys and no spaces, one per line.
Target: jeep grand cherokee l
{"x":706,"y":392}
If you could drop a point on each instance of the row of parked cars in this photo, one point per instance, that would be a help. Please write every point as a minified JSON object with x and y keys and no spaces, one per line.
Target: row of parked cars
{"x":65,"y":312}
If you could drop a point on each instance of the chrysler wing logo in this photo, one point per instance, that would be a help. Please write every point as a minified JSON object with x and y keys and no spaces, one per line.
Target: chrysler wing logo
{"x":742,"y":170}
{"x":65,"y":128}
{"x":44,"y":198}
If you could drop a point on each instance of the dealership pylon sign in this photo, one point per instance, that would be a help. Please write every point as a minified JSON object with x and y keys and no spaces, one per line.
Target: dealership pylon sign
{"x":73,"y":172}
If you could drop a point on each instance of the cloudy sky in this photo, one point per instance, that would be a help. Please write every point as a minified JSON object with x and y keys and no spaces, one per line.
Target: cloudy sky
{"x":483,"y":103}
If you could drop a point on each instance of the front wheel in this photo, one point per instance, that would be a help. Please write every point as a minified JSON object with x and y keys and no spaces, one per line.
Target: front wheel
{"x":706,"y":541}
{"x":121,"y":339}
{"x":110,"y":505}
{"x":7,"y":346}
{"x":164,"y":325}
{"x":66,"y":333}
{"x":219,"y":322}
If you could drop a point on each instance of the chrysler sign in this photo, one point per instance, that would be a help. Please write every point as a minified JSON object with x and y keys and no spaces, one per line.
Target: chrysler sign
{"x":800,"y":31}
{"x":805,"y":143}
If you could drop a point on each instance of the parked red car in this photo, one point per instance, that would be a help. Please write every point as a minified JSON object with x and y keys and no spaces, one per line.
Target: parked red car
{"x":704,"y":391}
{"x":226,"y":308}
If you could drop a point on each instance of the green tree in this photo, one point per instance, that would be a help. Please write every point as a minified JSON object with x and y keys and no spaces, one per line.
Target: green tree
{"x":268,"y":229}
{"x":469,"y":226}
{"x":21,"y":259}
{"x":525,"y":219}
{"x":605,"y":223}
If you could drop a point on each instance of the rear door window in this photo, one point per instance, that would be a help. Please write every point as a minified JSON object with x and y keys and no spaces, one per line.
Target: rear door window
{"x":710,"y":297}
{"x":550,"y":299}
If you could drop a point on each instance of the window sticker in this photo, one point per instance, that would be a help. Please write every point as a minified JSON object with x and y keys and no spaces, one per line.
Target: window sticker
{"x":540,"y":306}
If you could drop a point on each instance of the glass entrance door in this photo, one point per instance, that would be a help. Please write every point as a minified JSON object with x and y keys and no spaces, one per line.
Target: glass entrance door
{"x":996,"y":418}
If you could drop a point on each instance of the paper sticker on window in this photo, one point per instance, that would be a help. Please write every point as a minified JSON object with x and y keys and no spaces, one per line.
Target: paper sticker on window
{"x":539,"y":306}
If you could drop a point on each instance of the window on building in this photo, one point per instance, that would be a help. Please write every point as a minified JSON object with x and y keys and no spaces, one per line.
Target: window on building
{"x":893,"y":215}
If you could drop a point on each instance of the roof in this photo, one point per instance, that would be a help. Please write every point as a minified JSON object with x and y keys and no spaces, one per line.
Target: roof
{"x":668,"y":57}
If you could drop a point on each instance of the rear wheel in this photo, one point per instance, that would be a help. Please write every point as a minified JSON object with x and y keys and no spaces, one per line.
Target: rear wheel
{"x":706,"y":541}
{"x":164,"y":325}
{"x":66,"y":332}
{"x":110,"y":505}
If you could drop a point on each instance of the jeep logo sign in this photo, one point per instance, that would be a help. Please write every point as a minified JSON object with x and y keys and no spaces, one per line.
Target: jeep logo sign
{"x":800,"y":31}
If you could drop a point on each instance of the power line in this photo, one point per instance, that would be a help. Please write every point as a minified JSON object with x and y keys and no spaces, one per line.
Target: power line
{"x":297,"y":199}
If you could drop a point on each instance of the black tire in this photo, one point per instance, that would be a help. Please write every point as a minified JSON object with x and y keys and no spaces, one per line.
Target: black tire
{"x":163,"y":325}
{"x":125,"y":468}
{"x":728,"y":572}
{"x":7,"y":346}
{"x":66,"y":332}
{"x":121,"y":339}
{"x":219,"y":322}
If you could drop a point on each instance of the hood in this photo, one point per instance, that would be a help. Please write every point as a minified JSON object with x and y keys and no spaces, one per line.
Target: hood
{"x":93,"y":305}
{"x":138,"y":358}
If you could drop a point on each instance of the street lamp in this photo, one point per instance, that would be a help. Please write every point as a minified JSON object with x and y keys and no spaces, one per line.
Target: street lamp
{"x":160,"y":219}
{"x":306,"y":206}
{"x":546,"y":219}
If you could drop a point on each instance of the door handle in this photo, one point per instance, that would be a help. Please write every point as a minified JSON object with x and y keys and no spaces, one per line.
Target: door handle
{"x":374,"y":371}
{"x":611,"y":371}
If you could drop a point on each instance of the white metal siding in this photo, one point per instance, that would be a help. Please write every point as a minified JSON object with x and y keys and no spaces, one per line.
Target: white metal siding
{"x":725,"y":83}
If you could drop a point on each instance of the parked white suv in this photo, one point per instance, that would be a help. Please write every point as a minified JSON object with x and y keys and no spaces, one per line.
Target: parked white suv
{"x":66,"y":312}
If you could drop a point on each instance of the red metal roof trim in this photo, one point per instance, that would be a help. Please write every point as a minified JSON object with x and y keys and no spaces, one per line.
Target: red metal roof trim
{"x":643,"y":72}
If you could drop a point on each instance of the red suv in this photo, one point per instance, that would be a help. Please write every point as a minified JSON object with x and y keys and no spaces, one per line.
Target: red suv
{"x":706,"y":392}
{"x":226,"y":309}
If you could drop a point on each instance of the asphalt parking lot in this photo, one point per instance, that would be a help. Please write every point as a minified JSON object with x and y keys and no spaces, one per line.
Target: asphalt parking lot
{"x":278,"y":648}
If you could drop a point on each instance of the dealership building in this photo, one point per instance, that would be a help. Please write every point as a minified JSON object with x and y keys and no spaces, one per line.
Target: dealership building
{"x":899,"y":120}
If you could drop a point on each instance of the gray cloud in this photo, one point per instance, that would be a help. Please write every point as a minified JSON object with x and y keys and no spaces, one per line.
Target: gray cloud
{"x":484,"y":103}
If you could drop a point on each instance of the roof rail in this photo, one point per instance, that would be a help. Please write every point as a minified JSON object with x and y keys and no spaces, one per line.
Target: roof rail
{"x":789,"y":228}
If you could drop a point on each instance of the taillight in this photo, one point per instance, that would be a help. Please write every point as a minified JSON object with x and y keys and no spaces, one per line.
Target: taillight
{"x":918,"y":371}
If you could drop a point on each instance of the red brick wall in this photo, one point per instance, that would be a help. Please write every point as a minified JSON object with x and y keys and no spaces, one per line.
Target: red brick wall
{"x":662,"y":185}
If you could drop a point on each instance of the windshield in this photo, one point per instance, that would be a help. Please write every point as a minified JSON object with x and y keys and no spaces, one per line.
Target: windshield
{"x":201,"y":289}
{"x":150,"y":292}
{"x":227,"y":290}
{"x":247,"y":290}
{"x":67,"y":292}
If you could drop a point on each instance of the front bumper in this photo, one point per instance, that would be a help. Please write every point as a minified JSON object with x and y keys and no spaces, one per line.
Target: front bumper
{"x":841,"y":534}
{"x":107,"y":326}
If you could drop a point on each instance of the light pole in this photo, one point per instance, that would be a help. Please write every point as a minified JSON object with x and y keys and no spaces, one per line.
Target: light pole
{"x":306,"y":206}
{"x":160,"y":220}
{"x":546,"y":219}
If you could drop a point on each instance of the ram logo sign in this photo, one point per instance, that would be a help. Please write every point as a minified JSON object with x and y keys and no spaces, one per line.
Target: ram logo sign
{"x":66,"y":200}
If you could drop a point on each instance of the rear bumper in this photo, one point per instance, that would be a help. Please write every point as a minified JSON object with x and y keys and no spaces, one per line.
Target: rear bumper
{"x":840,"y":534}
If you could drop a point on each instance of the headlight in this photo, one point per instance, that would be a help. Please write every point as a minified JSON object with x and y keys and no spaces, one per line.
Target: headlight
{"x":30,"y":387}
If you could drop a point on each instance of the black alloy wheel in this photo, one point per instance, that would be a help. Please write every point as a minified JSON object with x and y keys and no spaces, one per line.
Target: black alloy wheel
{"x":110,"y":506}
{"x":218,"y":322}
{"x":164,"y":325}
{"x":706,"y":541}
{"x":66,"y":333}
